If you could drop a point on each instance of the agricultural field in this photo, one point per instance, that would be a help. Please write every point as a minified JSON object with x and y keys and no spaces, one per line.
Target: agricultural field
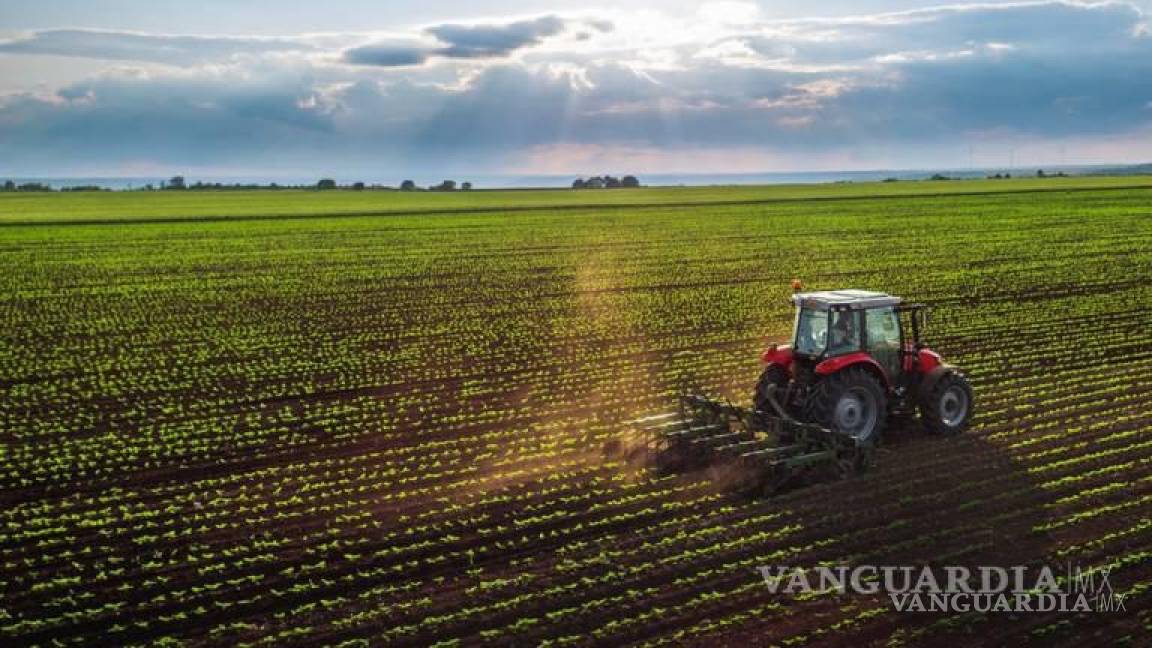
{"x":377,"y":418}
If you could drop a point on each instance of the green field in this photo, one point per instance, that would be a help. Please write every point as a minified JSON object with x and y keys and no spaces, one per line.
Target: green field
{"x":381,"y":421}
{"x":138,"y":205}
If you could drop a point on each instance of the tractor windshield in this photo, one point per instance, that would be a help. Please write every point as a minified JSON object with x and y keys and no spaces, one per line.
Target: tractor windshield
{"x":811,"y":332}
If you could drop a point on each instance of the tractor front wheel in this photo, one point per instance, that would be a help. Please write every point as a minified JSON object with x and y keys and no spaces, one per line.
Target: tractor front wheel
{"x":947,"y":408}
{"x":852,"y":402}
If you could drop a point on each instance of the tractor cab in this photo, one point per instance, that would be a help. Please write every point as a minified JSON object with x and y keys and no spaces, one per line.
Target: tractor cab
{"x":834,"y":323}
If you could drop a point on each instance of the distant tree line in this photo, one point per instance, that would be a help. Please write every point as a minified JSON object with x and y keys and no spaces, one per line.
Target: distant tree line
{"x":27,"y":186}
{"x":447,"y":185}
{"x":9,"y":185}
{"x":606,"y":182}
{"x":328,"y":184}
{"x":178,"y":183}
{"x":1039,"y":174}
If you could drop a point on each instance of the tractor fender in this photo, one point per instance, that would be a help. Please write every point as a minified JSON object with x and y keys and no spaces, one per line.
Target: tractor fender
{"x":928,"y":360}
{"x":859,"y":358}
{"x":928,"y":382}
{"x":778,"y":354}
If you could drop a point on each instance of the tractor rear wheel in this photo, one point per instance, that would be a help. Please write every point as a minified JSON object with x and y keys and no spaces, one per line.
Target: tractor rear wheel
{"x":773,"y":376}
{"x":947,"y":408}
{"x":852,"y":402}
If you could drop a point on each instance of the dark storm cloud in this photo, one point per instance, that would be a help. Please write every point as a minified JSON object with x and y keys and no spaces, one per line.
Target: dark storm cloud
{"x":156,"y":48}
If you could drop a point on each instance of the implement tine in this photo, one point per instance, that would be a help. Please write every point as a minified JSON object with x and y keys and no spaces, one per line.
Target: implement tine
{"x":756,"y":451}
{"x":669,"y":426}
{"x":655,"y":418}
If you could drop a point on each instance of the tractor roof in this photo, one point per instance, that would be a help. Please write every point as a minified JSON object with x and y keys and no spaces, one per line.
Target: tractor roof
{"x":851,"y":299}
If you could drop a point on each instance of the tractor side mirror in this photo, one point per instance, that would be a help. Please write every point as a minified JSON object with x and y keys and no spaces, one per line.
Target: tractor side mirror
{"x":925,"y":316}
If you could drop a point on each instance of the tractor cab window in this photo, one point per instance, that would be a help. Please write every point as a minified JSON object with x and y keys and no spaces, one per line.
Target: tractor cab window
{"x":811,"y":331}
{"x":883,"y":337}
{"x":844,"y":333}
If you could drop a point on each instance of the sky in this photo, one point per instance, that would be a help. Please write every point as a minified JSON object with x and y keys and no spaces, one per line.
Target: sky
{"x":380,"y":90}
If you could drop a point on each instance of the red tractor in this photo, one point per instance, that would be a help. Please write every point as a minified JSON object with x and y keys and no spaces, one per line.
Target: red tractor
{"x":855,"y":358}
{"x":821,"y":402}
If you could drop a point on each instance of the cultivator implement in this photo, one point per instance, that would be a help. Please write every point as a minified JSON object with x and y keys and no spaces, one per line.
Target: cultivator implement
{"x":746,"y":450}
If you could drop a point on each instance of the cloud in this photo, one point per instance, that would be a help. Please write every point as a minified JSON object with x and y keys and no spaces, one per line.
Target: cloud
{"x":471,"y":41}
{"x":1050,"y":28}
{"x":896,"y":88}
{"x":197,"y":118}
{"x":478,"y":41}
{"x":156,"y":48}
{"x":388,"y":54}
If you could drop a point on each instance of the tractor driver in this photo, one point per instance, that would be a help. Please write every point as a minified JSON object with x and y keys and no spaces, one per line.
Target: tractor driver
{"x":843,"y":336}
